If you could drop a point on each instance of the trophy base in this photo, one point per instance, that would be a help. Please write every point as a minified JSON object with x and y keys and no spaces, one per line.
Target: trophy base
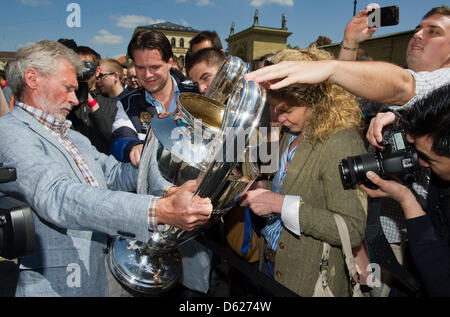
{"x":143,"y":270}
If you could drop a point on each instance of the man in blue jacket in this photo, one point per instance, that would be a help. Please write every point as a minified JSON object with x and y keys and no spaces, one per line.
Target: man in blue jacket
{"x":78,"y":195}
{"x":152,"y":55}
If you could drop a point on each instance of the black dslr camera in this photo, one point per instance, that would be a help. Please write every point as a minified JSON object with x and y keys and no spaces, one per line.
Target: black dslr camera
{"x":398,"y":161}
{"x":83,"y":88}
{"x":17,"y":236}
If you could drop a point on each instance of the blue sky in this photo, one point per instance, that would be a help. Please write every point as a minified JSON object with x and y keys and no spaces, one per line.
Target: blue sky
{"x":107,"y":25}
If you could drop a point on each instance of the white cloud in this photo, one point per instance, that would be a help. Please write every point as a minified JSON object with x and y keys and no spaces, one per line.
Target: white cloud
{"x":260,"y":3}
{"x":184,"y":22}
{"x":105,"y":37}
{"x":36,"y":3}
{"x":131,"y":21}
{"x":202,"y":3}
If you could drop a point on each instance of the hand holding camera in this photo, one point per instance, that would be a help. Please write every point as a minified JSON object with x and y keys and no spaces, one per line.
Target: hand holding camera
{"x":398,"y":160}
{"x":83,"y":87}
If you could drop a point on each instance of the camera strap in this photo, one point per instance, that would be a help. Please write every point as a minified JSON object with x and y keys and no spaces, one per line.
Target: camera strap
{"x":380,"y":250}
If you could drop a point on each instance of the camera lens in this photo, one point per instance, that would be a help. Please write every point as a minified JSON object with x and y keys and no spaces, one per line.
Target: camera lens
{"x":17,"y":238}
{"x":353,"y":169}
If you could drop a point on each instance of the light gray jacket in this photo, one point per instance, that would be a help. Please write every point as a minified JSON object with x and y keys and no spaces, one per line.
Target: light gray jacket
{"x":72,"y":219}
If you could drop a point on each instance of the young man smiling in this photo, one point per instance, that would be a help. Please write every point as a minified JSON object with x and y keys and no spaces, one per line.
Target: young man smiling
{"x":152,"y":55}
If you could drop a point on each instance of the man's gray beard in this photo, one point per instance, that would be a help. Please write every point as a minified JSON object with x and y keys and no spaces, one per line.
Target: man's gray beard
{"x":45,"y":104}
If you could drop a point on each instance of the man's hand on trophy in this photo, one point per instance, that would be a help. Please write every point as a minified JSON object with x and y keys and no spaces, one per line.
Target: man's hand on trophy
{"x":183,"y":210}
{"x":190,"y":186}
{"x":135,"y":154}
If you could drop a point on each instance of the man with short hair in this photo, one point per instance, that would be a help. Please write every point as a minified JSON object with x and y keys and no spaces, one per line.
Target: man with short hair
{"x":427,"y":124}
{"x":152,"y":55}
{"x":133,"y":82}
{"x":94,"y":117}
{"x":110,"y":78}
{"x":428,"y":50}
{"x":78,"y":195}
{"x":203,"y":66}
{"x":425,"y":55}
{"x":205,"y":39}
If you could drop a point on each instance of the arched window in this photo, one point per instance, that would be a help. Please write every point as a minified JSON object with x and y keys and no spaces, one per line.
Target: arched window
{"x":173,"y":42}
{"x":181,"y":42}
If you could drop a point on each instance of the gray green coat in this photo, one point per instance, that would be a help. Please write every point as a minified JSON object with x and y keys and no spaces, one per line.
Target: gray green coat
{"x":314,"y":175}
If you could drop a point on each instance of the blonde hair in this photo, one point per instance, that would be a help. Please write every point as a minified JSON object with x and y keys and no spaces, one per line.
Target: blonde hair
{"x":333,"y":108}
{"x":113,"y":66}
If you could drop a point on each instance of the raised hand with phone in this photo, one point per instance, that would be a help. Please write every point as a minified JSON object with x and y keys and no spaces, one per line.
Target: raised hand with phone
{"x":363,"y":25}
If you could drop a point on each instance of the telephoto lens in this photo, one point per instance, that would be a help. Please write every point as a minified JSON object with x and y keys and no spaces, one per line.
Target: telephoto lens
{"x":354,"y":169}
{"x":17,"y":237}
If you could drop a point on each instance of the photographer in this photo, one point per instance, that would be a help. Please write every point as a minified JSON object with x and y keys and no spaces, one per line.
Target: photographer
{"x":427,"y":123}
{"x":95,"y":116}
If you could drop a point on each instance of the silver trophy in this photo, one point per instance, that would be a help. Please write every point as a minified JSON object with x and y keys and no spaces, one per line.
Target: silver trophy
{"x":208,"y":138}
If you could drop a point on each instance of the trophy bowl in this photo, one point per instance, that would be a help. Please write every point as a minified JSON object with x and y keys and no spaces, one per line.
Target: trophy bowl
{"x":206,"y":140}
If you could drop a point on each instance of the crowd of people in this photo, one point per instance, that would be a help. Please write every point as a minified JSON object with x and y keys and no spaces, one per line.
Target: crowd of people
{"x":77,"y":157}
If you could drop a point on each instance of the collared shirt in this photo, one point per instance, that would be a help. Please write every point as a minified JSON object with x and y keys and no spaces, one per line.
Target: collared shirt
{"x":426,"y":82}
{"x":272,"y":231}
{"x":158,"y":105}
{"x":59,"y":130}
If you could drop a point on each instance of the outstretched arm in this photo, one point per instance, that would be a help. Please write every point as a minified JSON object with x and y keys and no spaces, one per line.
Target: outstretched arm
{"x":378,"y":81}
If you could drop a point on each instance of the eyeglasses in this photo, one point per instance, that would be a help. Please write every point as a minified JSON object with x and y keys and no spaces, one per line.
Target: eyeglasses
{"x":101,"y":75}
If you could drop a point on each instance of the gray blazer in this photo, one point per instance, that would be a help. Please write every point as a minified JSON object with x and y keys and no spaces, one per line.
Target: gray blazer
{"x":72,"y":219}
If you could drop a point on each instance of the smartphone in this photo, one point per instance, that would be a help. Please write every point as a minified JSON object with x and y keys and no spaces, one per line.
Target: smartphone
{"x":385,"y":16}
{"x":82,"y":92}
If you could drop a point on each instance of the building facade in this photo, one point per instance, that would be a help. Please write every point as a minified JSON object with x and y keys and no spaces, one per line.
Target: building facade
{"x":5,"y":57}
{"x":256,"y":41}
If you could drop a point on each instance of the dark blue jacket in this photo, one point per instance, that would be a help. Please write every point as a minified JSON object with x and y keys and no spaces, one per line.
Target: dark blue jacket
{"x":133,"y":118}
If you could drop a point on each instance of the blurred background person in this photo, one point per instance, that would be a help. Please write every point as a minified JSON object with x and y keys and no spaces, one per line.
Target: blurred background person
{"x":133,"y":82}
{"x":95,"y":116}
{"x":205,"y":39}
{"x":109,"y":80}
{"x":4,"y":108}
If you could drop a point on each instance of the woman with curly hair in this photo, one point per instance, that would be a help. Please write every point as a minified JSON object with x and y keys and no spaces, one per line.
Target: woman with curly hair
{"x":323,"y":124}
